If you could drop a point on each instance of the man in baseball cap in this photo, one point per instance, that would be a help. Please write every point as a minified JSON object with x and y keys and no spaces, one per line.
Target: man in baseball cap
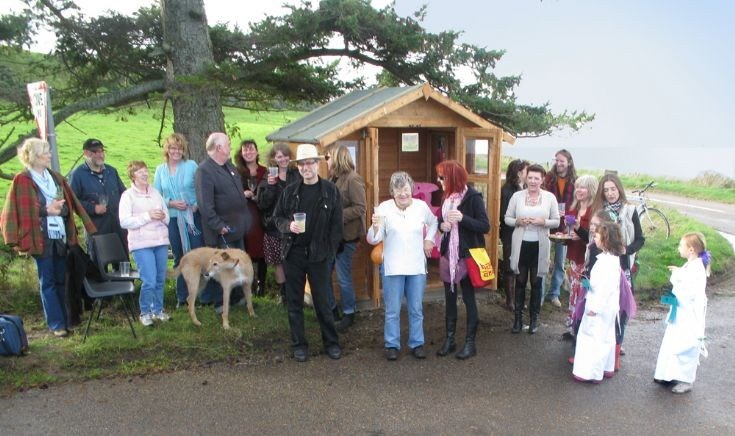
{"x":98,"y":186}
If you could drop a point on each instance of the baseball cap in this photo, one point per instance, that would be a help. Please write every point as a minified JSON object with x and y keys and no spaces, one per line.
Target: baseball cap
{"x":93,"y":144}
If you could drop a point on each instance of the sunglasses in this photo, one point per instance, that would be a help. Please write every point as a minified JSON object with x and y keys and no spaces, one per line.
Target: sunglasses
{"x":326,"y":157}
{"x":440,"y":178}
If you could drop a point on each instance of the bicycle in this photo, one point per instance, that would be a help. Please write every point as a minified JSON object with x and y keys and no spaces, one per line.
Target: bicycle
{"x":652,"y":220}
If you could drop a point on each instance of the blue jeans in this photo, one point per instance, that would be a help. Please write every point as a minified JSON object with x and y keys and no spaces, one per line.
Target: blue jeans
{"x":394,"y":287}
{"x":557,"y":274}
{"x":343,"y":265}
{"x":51,"y":279}
{"x":195,"y":241}
{"x":152,"y":263}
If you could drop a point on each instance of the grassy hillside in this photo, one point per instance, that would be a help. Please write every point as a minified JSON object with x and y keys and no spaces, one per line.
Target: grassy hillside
{"x":132,"y":134}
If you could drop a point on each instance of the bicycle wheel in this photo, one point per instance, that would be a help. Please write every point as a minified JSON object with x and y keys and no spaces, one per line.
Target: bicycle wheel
{"x":654,"y":222}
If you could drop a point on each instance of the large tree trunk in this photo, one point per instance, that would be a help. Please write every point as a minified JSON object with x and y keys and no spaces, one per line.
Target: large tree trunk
{"x":196,"y":103}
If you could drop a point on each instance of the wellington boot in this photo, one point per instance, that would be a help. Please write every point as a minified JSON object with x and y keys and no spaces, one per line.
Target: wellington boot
{"x":468,"y":350}
{"x":510,"y":292}
{"x":449,"y":345}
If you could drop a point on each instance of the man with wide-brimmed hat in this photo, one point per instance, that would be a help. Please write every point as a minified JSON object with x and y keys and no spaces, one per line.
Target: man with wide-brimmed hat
{"x":99,"y":187}
{"x":310,"y":249}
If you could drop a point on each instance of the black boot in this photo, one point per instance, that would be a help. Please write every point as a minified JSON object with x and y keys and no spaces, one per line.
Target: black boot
{"x":510,"y":294}
{"x":535,"y":308}
{"x":469,"y":344}
{"x":520,"y":297}
{"x":449,"y":346}
{"x":346,"y":322}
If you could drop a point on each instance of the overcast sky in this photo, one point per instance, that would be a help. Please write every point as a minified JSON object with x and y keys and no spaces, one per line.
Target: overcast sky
{"x":656,"y":73}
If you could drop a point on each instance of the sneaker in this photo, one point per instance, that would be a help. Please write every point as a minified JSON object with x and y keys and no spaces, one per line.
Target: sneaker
{"x":219,"y":309}
{"x":146,"y":319}
{"x":162,"y":316}
{"x":681,"y":388}
{"x":555,"y":302}
{"x":60,"y":333}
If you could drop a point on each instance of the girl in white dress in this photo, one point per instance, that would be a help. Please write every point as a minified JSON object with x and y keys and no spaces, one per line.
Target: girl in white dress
{"x":683,"y":341}
{"x":594,"y":357}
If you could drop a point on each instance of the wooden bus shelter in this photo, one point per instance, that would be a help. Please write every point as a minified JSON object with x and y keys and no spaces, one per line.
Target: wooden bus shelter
{"x":409,"y":129}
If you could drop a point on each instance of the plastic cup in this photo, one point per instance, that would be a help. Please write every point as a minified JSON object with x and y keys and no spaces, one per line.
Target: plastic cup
{"x":273,"y":171}
{"x":125,"y":269}
{"x":102,"y":200}
{"x":562,"y":208}
{"x":300,"y":219}
{"x":379,"y":217}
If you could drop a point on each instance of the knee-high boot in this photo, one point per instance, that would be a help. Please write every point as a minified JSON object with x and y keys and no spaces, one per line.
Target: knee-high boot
{"x":262,"y":270}
{"x":535,"y":308}
{"x":449,"y":344}
{"x":469,"y":349}
{"x":520,"y":297}
{"x":510,"y":286}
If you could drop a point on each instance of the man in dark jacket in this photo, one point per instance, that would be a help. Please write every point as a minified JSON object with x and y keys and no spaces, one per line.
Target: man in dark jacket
{"x":98,"y":186}
{"x":309,"y":249}
{"x":223,"y":207}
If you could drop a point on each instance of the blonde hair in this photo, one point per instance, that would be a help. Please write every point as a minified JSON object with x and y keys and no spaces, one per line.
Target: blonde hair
{"x":586,"y":181}
{"x":134,"y":166}
{"x":176,"y":140}
{"x":29,"y":151}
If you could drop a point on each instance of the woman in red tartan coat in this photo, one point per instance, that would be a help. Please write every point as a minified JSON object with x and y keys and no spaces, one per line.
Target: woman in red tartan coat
{"x":37,"y":220}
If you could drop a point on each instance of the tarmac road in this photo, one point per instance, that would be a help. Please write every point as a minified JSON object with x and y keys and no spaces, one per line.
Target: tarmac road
{"x":719,"y":216}
{"x":517,"y":384}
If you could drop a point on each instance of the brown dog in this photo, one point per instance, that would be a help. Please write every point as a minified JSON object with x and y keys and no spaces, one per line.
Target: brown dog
{"x":230,"y":267}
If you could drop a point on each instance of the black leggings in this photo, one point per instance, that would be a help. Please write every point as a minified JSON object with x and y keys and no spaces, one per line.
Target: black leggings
{"x":528,"y":268}
{"x":468,"y":296}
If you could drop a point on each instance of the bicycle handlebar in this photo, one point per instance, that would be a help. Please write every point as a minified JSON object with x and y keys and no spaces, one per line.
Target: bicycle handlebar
{"x":650,"y":184}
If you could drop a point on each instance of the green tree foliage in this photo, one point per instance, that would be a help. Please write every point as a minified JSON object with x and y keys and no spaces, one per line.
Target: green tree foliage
{"x":291,"y":58}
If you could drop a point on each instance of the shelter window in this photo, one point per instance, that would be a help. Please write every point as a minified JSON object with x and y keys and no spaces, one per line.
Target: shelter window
{"x":409,"y":142}
{"x":477,"y":155}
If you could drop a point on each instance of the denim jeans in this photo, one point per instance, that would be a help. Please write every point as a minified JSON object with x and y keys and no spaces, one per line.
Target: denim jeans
{"x":52,"y":278}
{"x":394,"y":287}
{"x":195,"y":241}
{"x":152,"y":263}
{"x":343,"y":266}
{"x":557,"y":274}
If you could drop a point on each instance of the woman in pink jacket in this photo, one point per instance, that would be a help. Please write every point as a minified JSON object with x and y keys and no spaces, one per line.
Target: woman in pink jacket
{"x":145,"y":215}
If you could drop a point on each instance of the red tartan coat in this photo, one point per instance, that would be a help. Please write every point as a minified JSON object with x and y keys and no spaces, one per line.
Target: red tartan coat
{"x":21,"y":216}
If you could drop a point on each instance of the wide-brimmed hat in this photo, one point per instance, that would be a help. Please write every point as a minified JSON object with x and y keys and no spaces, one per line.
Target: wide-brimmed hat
{"x":307,"y":151}
{"x":92,"y":144}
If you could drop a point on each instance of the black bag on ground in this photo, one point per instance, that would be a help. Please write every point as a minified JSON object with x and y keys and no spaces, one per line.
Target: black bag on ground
{"x":13,"y":340}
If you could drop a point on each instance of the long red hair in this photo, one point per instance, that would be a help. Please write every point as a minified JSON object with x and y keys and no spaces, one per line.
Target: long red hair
{"x":455,"y":177}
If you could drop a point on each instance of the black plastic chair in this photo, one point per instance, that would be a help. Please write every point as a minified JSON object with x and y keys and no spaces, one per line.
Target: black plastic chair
{"x":108,"y":253}
{"x":101,"y":290}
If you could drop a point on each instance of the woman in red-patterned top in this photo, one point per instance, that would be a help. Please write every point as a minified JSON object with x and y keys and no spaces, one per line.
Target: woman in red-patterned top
{"x":585,"y":189}
{"x":253,"y":174}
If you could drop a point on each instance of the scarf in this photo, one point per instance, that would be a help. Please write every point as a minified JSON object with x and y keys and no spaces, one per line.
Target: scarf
{"x":613,"y":208}
{"x":451,"y":203}
{"x":185,"y":218}
{"x":54,"y":224}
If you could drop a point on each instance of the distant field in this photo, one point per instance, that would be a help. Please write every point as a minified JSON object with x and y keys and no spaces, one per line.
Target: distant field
{"x":129,"y":135}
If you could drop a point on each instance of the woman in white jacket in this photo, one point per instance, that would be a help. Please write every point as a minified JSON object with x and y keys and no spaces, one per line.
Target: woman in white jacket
{"x":532,"y":212}
{"x":594,"y":356}
{"x":678,"y":357}
{"x":144,"y":213}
